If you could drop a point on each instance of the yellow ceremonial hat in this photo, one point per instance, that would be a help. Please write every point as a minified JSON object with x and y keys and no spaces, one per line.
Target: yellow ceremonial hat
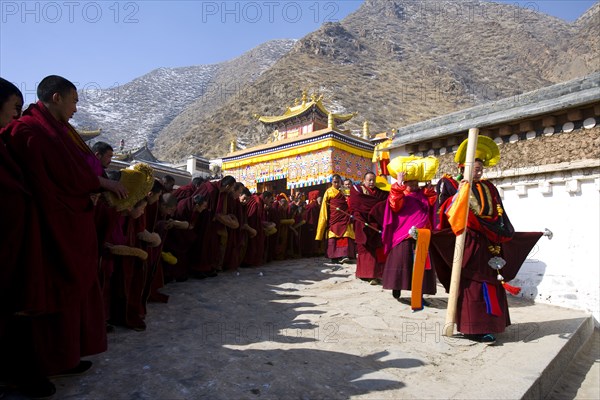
{"x":138,"y":181}
{"x":416,"y":168}
{"x":487,"y":151}
{"x":382,"y":183}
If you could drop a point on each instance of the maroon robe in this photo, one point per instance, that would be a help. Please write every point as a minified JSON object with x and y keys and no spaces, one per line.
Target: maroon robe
{"x":235,"y":237}
{"x":20,"y":252}
{"x":128,"y":279}
{"x":255,"y":252}
{"x":155,"y":281}
{"x":338,"y":220}
{"x":181,"y":242}
{"x":308,"y":244}
{"x":274,"y":216}
{"x":407,"y":208}
{"x":54,"y":162}
{"x":476,"y":274}
{"x":208,"y":256}
{"x":184,"y":191}
{"x":362,"y":201}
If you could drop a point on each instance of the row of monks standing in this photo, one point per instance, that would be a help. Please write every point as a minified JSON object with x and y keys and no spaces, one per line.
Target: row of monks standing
{"x":231,"y":228}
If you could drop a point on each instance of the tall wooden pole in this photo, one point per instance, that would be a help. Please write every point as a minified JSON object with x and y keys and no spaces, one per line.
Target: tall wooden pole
{"x":459,"y":245}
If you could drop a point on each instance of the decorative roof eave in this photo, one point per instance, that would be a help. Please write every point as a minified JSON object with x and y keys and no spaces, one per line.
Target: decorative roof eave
{"x":302,"y":109}
{"x":574,"y":93}
{"x":323,"y":138}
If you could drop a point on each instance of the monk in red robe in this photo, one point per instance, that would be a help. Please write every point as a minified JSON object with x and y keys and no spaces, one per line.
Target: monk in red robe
{"x":482,"y":309}
{"x":408,"y":206}
{"x":208,"y":259}
{"x":308,"y":244}
{"x":235,"y":237}
{"x":21,"y":297}
{"x":57,"y":163}
{"x":363,"y":199}
{"x":335,"y":223}
{"x":188,"y":190}
{"x":256,"y":207}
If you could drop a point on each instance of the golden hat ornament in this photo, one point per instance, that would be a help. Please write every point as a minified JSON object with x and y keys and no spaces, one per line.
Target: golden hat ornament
{"x":487,"y":151}
{"x":138,"y":181}
{"x":415,"y":168}
{"x":382,"y":183}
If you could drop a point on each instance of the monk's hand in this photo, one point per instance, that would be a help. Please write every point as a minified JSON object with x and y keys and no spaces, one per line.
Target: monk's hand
{"x":117,"y":188}
{"x":462,"y":183}
{"x":400,"y":177}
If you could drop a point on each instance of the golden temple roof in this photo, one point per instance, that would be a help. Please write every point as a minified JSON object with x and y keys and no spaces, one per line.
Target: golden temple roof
{"x":302,"y":108}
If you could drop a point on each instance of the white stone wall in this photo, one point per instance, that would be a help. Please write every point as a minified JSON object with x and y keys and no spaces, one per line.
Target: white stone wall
{"x":564,"y":198}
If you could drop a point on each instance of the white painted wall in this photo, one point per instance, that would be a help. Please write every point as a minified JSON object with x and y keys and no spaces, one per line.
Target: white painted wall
{"x":564,"y":271}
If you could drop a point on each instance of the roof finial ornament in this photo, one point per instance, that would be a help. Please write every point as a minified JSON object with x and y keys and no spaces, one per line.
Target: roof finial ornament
{"x":330,"y":121}
{"x":232,"y":147}
{"x":366,"y":132}
{"x":304,"y":97}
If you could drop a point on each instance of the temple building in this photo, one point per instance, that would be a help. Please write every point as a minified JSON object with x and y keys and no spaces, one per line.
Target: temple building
{"x":306,"y":148}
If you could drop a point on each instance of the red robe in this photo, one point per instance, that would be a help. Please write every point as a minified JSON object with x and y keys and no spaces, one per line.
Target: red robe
{"x":404,"y":210}
{"x":20,"y":252}
{"x":184,"y":191}
{"x":128,"y":279}
{"x":155,"y":281}
{"x":255,"y":252}
{"x":208,"y":255}
{"x":309,"y":246}
{"x":479,"y":286}
{"x":54,"y":162}
{"x":235,"y":237}
{"x":362,"y":201}
{"x":180,"y":242}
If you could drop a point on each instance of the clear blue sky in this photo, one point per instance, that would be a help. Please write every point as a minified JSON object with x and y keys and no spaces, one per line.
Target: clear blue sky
{"x":101,"y":44}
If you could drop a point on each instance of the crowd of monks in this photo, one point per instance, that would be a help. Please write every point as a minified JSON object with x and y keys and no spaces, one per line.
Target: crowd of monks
{"x":75,"y":265}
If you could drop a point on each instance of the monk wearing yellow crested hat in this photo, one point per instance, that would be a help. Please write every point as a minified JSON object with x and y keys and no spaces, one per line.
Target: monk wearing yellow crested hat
{"x":493,"y":251}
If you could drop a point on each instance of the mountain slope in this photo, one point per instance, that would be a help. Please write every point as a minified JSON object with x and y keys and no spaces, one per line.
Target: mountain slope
{"x":396,"y":62}
{"x":140,"y":109}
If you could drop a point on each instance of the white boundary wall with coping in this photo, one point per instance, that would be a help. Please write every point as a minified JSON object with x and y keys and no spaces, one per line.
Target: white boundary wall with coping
{"x":564,"y":198}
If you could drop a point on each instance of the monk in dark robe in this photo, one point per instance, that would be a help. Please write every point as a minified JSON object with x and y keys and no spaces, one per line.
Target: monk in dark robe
{"x":256,"y":207}
{"x":183,"y":242}
{"x":130,"y":270}
{"x":335,"y":224}
{"x":21,"y":297}
{"x":482,"y":308}
{"x":247,"y":231}
{"x":188,"y":190}
{"x":364,"y":198}
{"x":58,"y":165}
{"x":233,"y":257}
{"x":308,"y":244}
{"x":207,"y":259}
{"x":151,"y":218}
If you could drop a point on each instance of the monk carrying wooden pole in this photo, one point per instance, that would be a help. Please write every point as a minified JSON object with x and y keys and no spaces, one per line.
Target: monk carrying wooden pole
{"x":459,"y":245}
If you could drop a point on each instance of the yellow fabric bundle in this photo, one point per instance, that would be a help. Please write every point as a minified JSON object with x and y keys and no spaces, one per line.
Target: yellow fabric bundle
{"x":271,"y":230}
{"x":138,"y":181}
{"x":168,"y":258}
{"x":416,"y":168}
{"x":121,"y":250}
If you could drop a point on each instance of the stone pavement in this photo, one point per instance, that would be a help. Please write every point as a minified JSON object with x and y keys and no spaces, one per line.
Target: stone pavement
{"x":305,"y":329}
